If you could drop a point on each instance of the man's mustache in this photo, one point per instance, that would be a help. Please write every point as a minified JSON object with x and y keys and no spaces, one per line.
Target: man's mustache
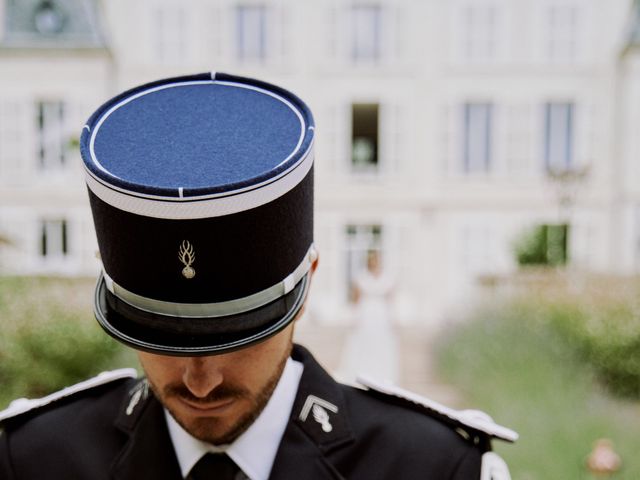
{"x":220,"y":393}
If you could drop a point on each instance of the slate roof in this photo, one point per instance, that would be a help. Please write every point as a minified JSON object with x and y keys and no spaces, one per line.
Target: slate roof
{"x":55,"y":24}
{"x":634,"y":34}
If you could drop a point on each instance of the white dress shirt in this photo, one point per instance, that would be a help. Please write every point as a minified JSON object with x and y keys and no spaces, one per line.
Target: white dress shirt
{"x":263,"y":436}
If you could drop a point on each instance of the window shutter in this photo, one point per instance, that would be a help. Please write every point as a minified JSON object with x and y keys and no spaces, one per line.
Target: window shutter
{"x":332,"y":36}
{"x":397,"y":21}
{"x":585,"y":135}
{"x":498,"y":155}
{"x":386,"y":21}
{"x":14,"y":129}
{"x":336,"y":130}
{"x":171,"y":27}
{"x":450,"y":138}
{"x":281,"y":31}
{"x":213,"y":32}
{"x":391,"y":137}
{"x":77,"y":114}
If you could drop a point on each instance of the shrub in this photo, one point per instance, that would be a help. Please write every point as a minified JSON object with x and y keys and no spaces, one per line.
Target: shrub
{"x":597,"y":318}
{"x":542,"y":245}
{"x":45,"y":344}
{"x":510,"y":361}
{"x":607,"y":337}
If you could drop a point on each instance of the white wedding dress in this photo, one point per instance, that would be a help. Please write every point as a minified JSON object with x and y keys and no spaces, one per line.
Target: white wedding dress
{"x":371,"y":347}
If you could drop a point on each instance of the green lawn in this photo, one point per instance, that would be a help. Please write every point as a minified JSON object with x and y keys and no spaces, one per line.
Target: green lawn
{"x":509,"y":363}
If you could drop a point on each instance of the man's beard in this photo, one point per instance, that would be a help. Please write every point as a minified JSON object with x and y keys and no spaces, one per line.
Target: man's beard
{"x":210,"y":429}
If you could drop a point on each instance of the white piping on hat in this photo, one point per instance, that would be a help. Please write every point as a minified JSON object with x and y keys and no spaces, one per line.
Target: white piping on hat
{"x":217,"y":309}
{"x":206,"y":206}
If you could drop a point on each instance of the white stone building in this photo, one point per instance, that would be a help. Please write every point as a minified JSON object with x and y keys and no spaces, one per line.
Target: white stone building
{"x":446,"y":128}
{"x":54,"y":68}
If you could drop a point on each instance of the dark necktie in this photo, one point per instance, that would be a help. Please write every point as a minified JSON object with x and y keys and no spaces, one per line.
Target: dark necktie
{"x":214,"y":466}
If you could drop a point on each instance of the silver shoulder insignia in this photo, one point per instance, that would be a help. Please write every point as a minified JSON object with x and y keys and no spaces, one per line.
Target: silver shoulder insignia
{"x":494,"y":467}
{"x":138,"y":393}
{"x":318,"y":409}
{"x":321,"y":416}
{"x":474,"y":419}
{"x":23,"y":405}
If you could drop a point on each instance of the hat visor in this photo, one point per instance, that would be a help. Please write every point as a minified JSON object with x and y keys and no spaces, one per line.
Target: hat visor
{"x":182,"y":336}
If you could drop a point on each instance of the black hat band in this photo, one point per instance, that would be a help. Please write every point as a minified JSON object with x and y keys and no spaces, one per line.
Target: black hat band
{"x":214,"y":309}
{"x":231,"y":256}
{"x":195,"y":336}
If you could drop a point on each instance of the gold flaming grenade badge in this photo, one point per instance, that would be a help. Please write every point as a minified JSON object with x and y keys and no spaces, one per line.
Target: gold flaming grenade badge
{"x":187,"y":256}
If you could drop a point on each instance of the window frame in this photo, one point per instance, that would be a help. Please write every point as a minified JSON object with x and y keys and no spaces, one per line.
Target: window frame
{"x":366,"y":24}
{"x":560,"y":114}
{"x":251,"y":48}
{"x":473,"y":162}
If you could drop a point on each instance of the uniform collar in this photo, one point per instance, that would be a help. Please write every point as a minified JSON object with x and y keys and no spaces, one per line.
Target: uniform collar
{"x":262,"y":436}
{"x":307,"y":450}
{"x":318,"y":429}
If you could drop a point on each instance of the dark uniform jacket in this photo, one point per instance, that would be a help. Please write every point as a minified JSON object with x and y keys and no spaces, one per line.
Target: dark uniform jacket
{"x":114,"y":431}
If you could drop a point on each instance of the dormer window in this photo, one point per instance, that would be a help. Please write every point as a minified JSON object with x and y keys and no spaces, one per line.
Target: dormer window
{"x":48,"y":18}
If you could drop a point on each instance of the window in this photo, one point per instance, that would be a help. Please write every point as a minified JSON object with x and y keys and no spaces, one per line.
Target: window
{"x":53,"y":239}
{"x":52,"y":146}
{"x":479,"y":33}
{"x":170,"y":30}
{"x":366,"y":33}
{"x":48,"y":18}
{"x":544,"y":245}
{"x":364,"y":137}
{"x":558,"y":137}
{"x":251,"y":33}
{"x":563,"y":27}
{"x":476,"y":154}
{"x":360,"y":239}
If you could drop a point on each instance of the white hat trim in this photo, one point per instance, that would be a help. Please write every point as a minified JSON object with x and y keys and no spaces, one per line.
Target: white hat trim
{"x":183,"y":208}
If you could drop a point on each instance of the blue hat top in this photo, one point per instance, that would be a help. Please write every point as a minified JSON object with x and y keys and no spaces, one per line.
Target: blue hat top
{"x":196,"y":136}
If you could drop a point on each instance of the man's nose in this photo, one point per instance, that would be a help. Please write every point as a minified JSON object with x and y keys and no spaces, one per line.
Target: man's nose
{"x":202,"y":375}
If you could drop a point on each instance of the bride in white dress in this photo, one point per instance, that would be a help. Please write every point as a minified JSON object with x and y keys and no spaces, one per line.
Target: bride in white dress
{"x":371,"y":348}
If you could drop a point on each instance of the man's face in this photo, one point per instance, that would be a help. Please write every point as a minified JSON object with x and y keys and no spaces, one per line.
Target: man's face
{"x":216,"y":398}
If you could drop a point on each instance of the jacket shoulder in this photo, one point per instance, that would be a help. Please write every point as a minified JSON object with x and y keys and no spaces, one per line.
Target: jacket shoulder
{"x":28,"y":407}
{"x":460,"y":440}
{"x":69,"y":433}
{"x":381,"y":436}
{"x":473,"y":422}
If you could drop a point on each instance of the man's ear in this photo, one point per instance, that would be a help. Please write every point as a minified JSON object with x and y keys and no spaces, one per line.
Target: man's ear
{"x":312,"y":269}
{"x":314,"y":260}
{"x":314,"y":265}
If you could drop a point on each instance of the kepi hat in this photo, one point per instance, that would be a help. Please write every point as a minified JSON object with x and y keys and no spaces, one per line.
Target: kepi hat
{"x":201,"y":190}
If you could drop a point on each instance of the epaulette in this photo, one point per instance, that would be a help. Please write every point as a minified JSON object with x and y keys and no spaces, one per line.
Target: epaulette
{"x":23,"y":405}
{"x":475,"y":420}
